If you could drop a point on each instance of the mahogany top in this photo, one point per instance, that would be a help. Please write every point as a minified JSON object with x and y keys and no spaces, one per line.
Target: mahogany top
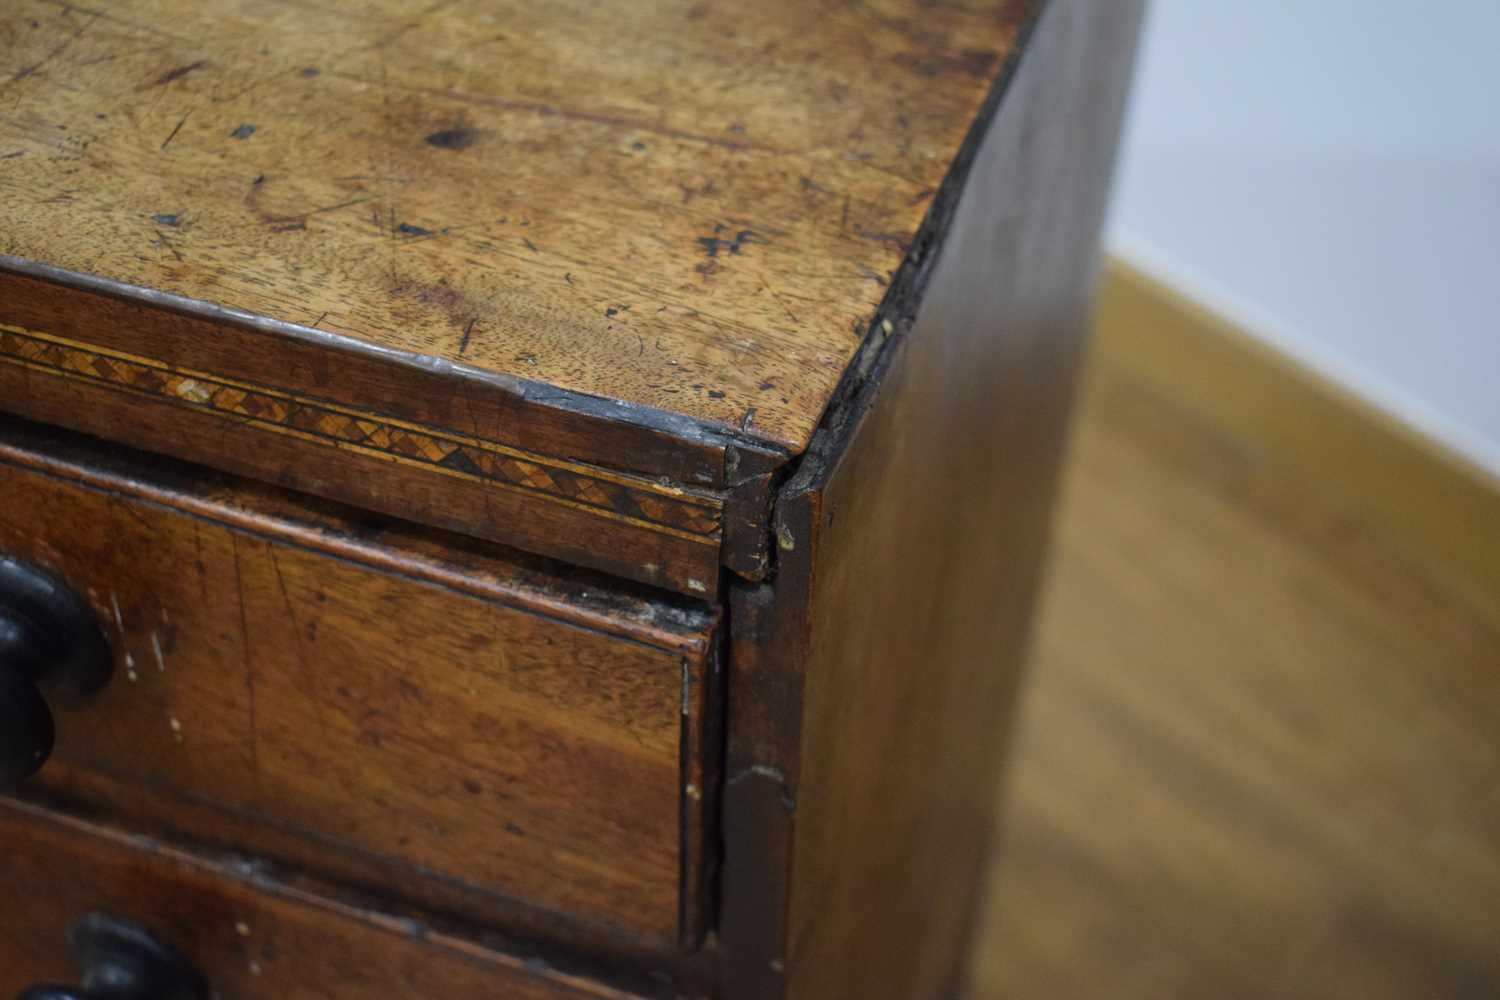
{"x":691,"y":207}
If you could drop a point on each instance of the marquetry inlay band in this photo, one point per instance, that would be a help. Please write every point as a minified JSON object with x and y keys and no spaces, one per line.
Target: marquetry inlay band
{"x":660,"y":508}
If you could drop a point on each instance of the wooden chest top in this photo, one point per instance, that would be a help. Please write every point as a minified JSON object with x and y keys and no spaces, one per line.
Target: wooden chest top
{"x":689,"y":210}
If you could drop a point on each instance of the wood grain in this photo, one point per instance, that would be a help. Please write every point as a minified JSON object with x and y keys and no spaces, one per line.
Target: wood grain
{"x":371,"y":711}
{"x":681,"y":205}
{"x":1258,"y":750}
{"x":872,"y":678}
{"x":251,"y":932}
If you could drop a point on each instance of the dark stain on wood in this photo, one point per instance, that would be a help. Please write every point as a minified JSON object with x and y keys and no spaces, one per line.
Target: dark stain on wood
{"x":453,"y":138}
{"x":436,"y":295}
{"x":713,"y":244}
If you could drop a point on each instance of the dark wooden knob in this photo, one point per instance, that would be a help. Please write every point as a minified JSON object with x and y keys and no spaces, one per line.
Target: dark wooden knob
{"x":49,"y":643}
{"x":120,"y":960}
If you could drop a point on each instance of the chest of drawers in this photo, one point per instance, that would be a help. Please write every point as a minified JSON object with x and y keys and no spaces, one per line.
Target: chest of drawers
{"x":526,"y":500}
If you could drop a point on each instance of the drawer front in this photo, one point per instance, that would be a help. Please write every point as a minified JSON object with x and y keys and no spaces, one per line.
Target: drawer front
{"x":270,"y":939}
{"x":296,"y":684}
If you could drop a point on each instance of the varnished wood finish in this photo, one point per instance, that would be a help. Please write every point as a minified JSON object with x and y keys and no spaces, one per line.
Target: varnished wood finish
{"x":250,"y":931}
{"x":867,"y":703}
{"x":383,"y":712}
{"x":774,"y":306}
{"x":689,"y":208}
{"x":1257,"y":752}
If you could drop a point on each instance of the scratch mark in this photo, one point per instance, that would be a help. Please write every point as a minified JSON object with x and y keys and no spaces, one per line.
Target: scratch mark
{"x":245,"y":131}
{"x":168,"y":244}
{"x":463,"y":386}
{"x":239,"y":590}
{"x":463,"y":343}
{"x":342,"y":204}
{"x":173,"y":134}
{"x":308,"y":674}
{"x":387,"y":39}
{"x":231,"y":98}
{"x":284,"y":223}
{"x":392,"y":199}
{"x":530,"y":245}
{"x":895,"y":240}
{"x":114,"y":604}
{"x":129,"y":511}
{"x":780,"y":301}
{"x":198,"y":561}
{"x":161,"y":664}
{"x":26,"y":71}
{"x":69,"y":7}
{"x":544,"y":110}
{"x":179,"y":72}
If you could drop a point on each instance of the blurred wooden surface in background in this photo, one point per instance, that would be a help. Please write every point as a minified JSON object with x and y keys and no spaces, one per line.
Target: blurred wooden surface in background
{"x":1259,"y":754}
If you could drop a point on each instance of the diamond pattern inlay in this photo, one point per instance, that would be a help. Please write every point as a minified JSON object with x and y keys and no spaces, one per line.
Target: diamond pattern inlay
{"x":272,"y":409}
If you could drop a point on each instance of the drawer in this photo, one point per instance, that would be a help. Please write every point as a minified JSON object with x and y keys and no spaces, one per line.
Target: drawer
{"x":370,"y":700}
{"x":247,"y":939}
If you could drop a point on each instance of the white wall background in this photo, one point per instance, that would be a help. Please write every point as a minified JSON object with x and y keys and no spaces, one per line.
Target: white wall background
{"x":1327,"y":172}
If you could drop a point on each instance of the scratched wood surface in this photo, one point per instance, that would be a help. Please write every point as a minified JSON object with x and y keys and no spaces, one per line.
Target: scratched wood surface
{"x":686,"y":205}
{"x":358,"y":696}
{"x":251,"y":931}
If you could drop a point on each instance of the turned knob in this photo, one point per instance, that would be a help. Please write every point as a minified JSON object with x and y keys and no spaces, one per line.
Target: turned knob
{"x":50,"y":644}
{"x":120,"y":960}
